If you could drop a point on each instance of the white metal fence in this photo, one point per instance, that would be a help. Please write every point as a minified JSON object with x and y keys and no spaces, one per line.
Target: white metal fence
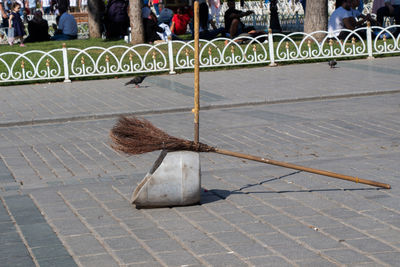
{"x":67,"y":62}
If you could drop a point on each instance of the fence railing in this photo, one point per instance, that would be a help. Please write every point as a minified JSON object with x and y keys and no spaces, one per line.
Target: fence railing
{"x":71,"y":63}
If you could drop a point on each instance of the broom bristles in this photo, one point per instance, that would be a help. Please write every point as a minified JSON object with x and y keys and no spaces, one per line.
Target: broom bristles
{"x":132,"y":135}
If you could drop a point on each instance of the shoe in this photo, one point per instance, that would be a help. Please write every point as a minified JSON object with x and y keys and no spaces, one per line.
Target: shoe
{"x":22,"y":45}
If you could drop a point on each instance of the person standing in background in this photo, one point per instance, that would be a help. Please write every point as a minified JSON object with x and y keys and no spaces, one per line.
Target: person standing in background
{"x":46,"y":6}
{"x":83,"y":5}
{"x":3,"y":13}
{"x":32,"y":6}
{"x":215,"y":10}
{"x":73,"y":6}
{"x":15,"y":22}
{"x":155,"y":5}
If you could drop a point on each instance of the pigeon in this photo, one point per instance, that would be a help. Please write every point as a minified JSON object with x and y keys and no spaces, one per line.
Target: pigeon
{"x":332,"y":63}
{"x":136,"y":81}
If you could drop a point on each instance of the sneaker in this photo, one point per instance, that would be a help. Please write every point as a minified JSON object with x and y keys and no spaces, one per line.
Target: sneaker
{"x":11,"y":43}
{"x":22,"y":45}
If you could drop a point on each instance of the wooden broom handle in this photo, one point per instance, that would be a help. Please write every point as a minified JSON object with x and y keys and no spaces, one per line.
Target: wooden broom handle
{"x":301,"y":168}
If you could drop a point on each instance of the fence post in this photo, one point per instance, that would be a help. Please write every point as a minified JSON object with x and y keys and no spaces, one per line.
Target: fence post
{"x":65,"y":60}
{"x":369,"y":40}
{"x":271,"y":48}
{"x":170,"y":56}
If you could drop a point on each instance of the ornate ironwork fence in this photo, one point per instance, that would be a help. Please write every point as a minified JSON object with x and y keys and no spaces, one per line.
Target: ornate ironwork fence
{"x":69,"y":63}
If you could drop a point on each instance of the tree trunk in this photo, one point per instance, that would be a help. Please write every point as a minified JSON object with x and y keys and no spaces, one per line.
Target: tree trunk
{"x":316,"y":18}
{"x":136,"y":21}
{"x":96,"y":11}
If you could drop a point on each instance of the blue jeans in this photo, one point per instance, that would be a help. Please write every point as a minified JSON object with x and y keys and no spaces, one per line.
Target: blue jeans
{"x":46,"y":10}
{"x":157,"y":9}
{"x":63,"y":37}
{"x":209,"y":35}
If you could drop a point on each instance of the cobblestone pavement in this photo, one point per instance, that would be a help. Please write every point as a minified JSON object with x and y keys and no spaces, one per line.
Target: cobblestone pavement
{"x":65,"y":193}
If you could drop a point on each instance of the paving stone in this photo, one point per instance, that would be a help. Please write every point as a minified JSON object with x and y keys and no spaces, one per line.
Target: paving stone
{"x":355,"y":135}
{"x":9,"y":237}
{"x":370,"y":245}
{"x":365,"y":223}
{"x":190,"y":236}
{"x":315,"y":263}
{"x":205,"y":246}
{"x":57,"y":212}
{"x":7,"y":227}
{"x":224,"y":260}
{"x":54,"y":251}
{"x":320,"y":242}
{"x":178,"y":258}
{"x":145,"y":264}
{"x":300,"y":211}
{"x":232,"y":238}
{"x":270,"y":261}
{"x":70,"y":226}
{"x":150,"y":234}
{"x":13,"y":250}
{"x":256,"y":228}
{"x":274,"y":239}
{"x":102,"y":260}
{"x":120,"y":243}
{"x":250,"y":250}
{"x":202,"y":215}
{"x":347,"y":256}
{"x":297,"y":230}
{"x":320,"y":221}
{"x":62,"y":262}
{"x":341,"y":213}
{"x":344,"y":233}
{"x":280,"y":219}
{"x":84,"y":245}
{"x":139,"y":223}
{"x":240,"y":218}
{"x":296,"y":252}
{"x":176,"y":224}
{"x":391,"y":258}
{"x":101,"y":220}
{"x":84,"y":204}
{"x":164,"y":245}
{"x":111,"y":231}
{"x":19,"y":260}
{"x":216,"y":226}
{"x":134,"y":256}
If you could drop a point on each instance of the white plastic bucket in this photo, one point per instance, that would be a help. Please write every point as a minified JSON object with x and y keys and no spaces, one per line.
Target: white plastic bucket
{"x":174,"y":180}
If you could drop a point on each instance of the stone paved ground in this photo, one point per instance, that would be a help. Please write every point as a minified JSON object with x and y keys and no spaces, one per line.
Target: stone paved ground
{"x":65,"y":194}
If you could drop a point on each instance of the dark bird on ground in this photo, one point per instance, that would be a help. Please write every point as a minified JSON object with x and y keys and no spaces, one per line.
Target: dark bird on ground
{"x":332,"y":63}
{"x":136,"y":81}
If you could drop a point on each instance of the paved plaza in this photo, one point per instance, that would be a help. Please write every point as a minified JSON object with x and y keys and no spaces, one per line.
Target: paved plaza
{"x":65,"y":194}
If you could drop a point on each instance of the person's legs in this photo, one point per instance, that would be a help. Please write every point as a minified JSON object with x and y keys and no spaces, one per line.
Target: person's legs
{"x":396,"y":14}
{"x":61,"y":37}
{"x":233,"y":31}
{"x":157,"y":9}
{"x":381,"y":13}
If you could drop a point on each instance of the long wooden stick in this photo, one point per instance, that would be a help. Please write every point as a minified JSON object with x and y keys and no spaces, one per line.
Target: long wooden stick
{"x":301,"y":168}
{"x":196,"y":73}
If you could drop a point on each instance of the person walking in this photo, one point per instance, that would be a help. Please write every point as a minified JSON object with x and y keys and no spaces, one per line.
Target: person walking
{"x":15,"y":22}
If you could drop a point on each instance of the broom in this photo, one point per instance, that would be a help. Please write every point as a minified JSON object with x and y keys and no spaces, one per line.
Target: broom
{"x":133,"y":136}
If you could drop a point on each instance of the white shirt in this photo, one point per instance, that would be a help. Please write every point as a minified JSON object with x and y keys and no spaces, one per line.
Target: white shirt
{"x":46,"y":3}
{"x":336,"y":21}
